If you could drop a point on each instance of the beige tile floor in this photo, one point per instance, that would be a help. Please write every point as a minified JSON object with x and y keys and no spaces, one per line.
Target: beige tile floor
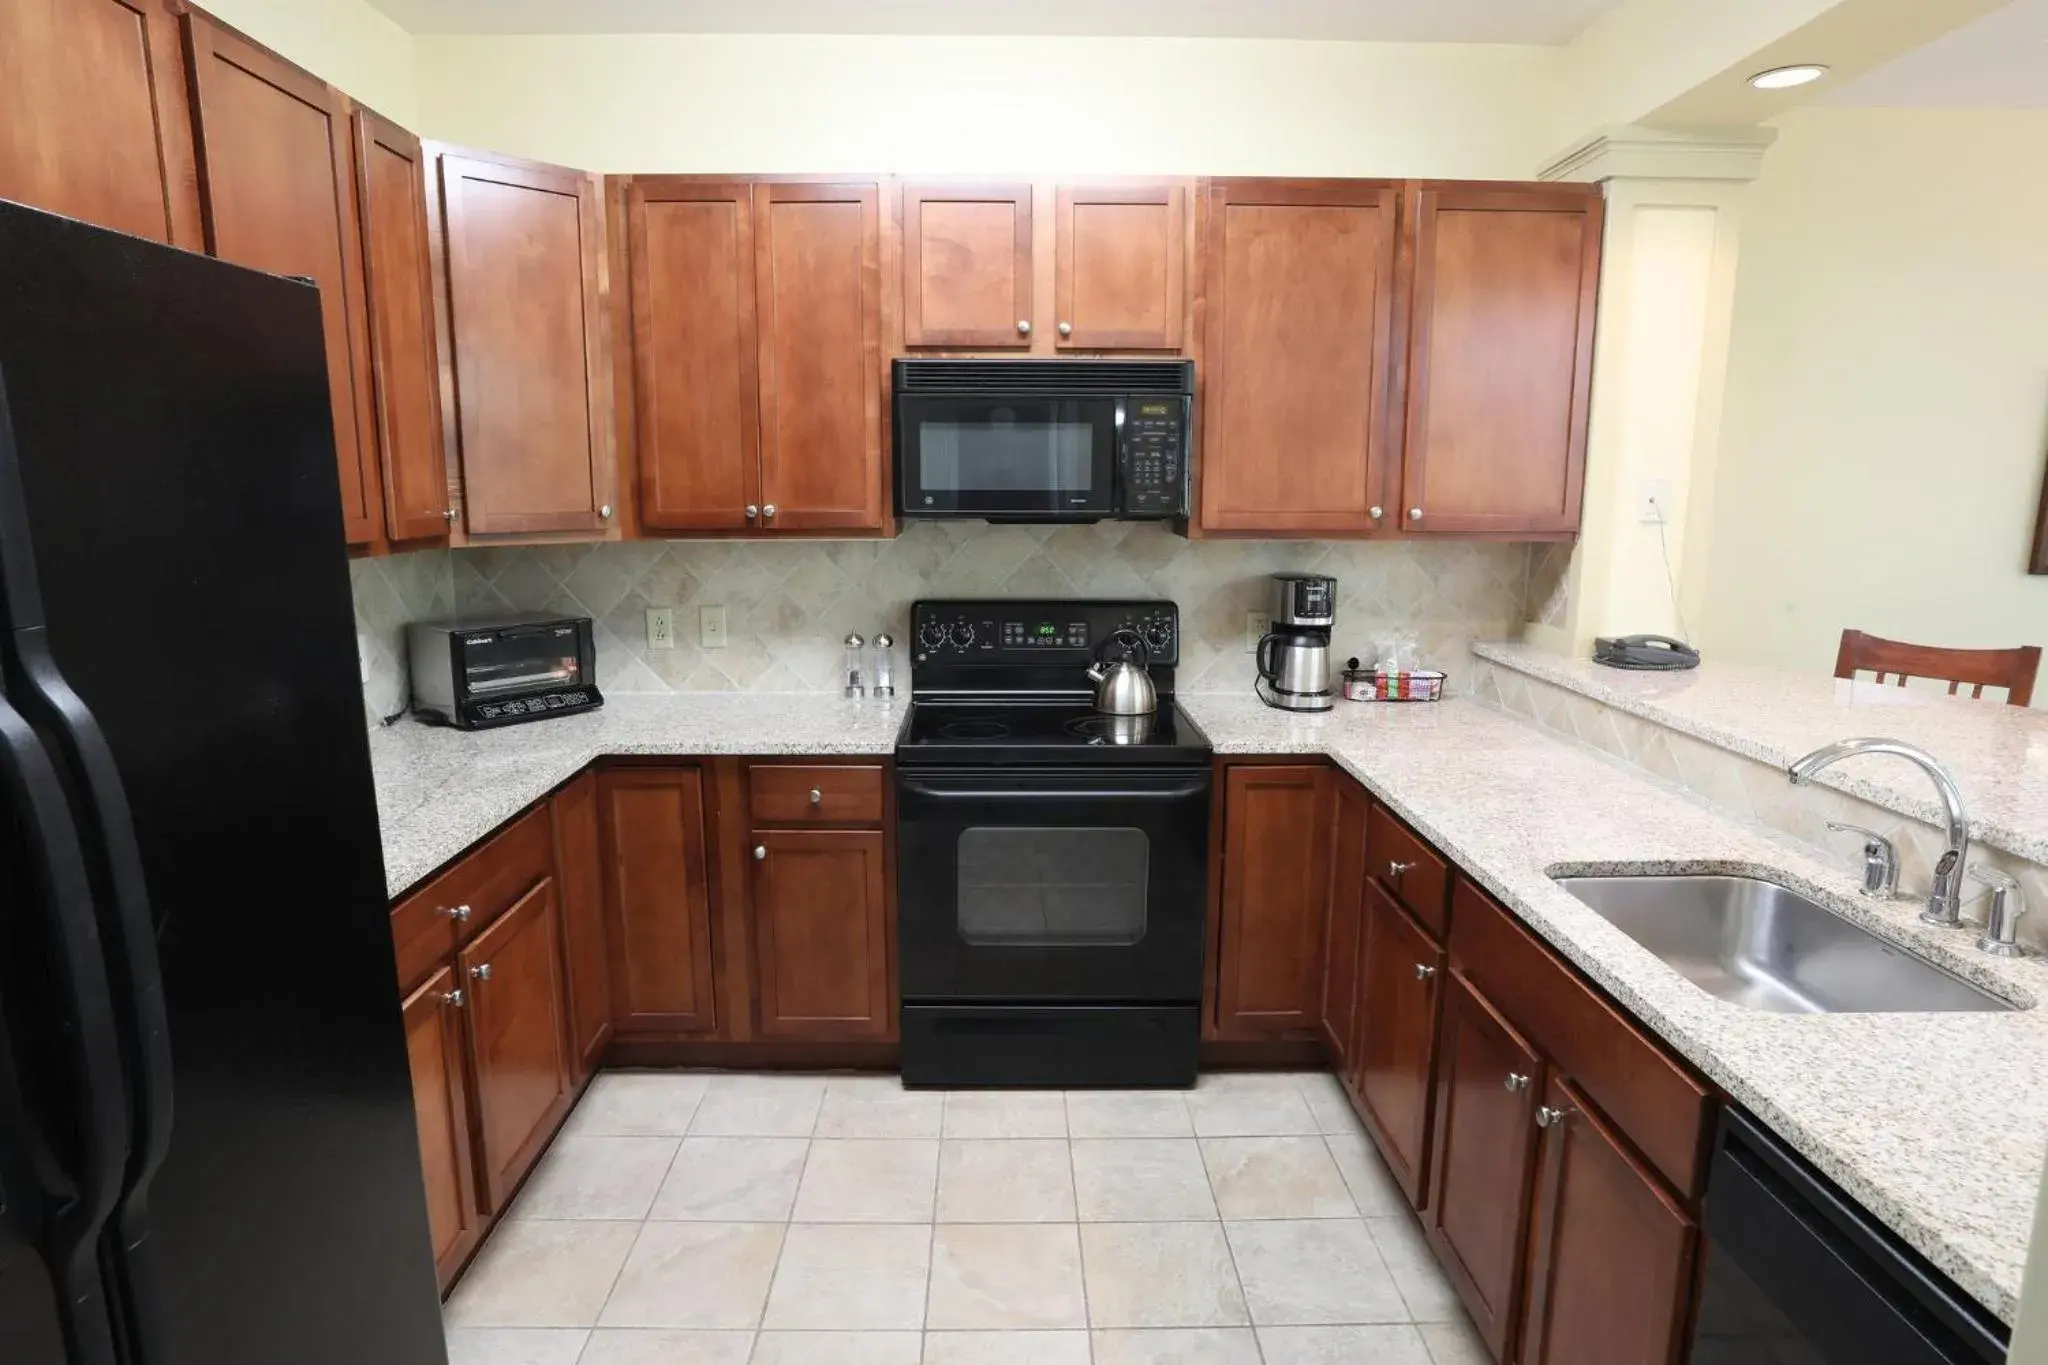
{"x":723,"y":1219}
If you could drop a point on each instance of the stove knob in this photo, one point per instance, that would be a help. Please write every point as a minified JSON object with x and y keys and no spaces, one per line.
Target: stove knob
{"x":1158,"y":636}
{"x":932,"y":634}
{"x":963,"y":635}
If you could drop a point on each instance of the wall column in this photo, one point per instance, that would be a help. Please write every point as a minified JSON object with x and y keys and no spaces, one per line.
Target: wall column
{"x":1667,"y":289}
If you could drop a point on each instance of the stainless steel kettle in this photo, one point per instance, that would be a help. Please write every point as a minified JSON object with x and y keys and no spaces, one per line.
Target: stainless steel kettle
{"x":1123,"y":688}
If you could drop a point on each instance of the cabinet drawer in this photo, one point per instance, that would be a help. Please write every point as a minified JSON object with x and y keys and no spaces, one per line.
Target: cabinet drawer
{"x":430,"y":924}
{"x":1407,"y":867}
{"x":1647,"y":1094}
{"x":813,"y":794}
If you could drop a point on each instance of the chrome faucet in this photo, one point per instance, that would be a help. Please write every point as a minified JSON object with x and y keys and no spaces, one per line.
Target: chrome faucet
{"x":1944,"y":899}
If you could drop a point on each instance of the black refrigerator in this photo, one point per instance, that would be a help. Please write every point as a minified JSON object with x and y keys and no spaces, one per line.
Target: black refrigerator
{"x":207,"y":1149}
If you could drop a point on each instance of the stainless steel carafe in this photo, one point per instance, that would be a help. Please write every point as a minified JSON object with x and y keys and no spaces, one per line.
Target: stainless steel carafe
{"x":1294,"y":670}
{"x":1123,"y":687}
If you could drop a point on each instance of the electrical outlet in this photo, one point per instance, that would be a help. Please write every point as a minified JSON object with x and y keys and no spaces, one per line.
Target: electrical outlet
{"x":711,"y":627}
{"x":1256,"y":624}
{"x":1654,"y":508}
{"x":661,"y":628}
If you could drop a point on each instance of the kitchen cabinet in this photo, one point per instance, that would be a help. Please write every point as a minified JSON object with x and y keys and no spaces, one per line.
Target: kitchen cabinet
{"x":579,"y":870}
{"x":94,"y":122}
{"x":277,"y":165}
{"x":440,"y":1101}
{"x":1611,"y":1252}
{"x":967,"y":266}
{"x":522,"y":248}
{"x":1296,"y":349}
{"x":1275,"y":881}
{"x":518,"y":1049}
{"x":404,"y":358}
{"x":657,"y":900}
{"x":1394,"y":1037}
{"x":1343,"y":920}
{"x":1500,"y":357}
{"x":1490,"y":1082}
{"x":1119,"y":279}
{"x":822,"y":955}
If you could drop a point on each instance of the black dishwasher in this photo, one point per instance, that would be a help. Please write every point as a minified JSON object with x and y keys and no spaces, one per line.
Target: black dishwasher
{"x":1798,"y":1273}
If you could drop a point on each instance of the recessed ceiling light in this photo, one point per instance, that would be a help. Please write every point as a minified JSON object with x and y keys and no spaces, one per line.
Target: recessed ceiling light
{"x":1785,"y":77}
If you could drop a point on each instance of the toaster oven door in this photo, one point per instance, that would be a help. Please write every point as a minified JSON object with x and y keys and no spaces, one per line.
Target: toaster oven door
{"x":519,"y":659}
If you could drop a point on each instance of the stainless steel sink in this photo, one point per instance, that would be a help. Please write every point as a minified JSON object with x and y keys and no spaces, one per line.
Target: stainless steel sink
{"x":1761,"y":945}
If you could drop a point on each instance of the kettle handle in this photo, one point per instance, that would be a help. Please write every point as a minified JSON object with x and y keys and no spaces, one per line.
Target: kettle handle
{"x":1266,"y":670}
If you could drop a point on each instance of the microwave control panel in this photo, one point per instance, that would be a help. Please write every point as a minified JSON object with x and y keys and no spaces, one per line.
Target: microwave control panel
{"x":1032,"y":632}
{"x":1152,"y":457}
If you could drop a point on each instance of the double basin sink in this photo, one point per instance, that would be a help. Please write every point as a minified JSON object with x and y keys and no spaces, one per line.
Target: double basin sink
{"x":1764,"y":946}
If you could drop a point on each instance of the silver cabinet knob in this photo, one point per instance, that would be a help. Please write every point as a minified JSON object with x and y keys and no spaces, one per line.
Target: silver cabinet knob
{"x":817,"y":797}
{"x":1376,"y":511}
{"x":1547,"y":1117}
{"x":752,"y":511}
{"x":448,"y":515}
{"x":481,"y":972}
{"x":605,"y":511}
{"x":1023,"y":327}
{"x":1423,"y":971}
{"x":454,"y":998}
{"x":460,"y":913}
{"x":760,"y":853}
{"x":769,"y":510}
{"x":1066,"y":329}
{"x":1515,"y":1083}
{"x":1415,"y":514}
{"x":1395,"y":870}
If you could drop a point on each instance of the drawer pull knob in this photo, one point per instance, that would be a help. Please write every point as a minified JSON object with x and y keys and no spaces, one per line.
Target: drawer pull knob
{"x":460,"y":913}
{"x":760,"y":853}
{"x":1423,"y":971}
{"x":482,"y":971}
{"x":1547,"y":1117}
{"x":1397,"y":870}
{"x":1023,"y":327}
{"x":454,"y":997}
{"x":817,"y":797}
{"x":1066,"y":329}
{"x":1516,"y":1083}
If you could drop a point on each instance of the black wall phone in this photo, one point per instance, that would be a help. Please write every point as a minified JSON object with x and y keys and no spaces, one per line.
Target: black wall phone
{"x":1645,"y":652}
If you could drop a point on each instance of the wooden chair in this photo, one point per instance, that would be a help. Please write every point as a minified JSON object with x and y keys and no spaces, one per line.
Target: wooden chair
{"x":2011,"y":669}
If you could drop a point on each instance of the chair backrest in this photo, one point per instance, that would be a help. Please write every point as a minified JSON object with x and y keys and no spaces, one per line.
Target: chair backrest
{"x":2011,"y":669}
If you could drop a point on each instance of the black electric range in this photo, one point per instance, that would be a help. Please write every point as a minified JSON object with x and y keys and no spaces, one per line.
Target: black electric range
{"x":1051,"y":861}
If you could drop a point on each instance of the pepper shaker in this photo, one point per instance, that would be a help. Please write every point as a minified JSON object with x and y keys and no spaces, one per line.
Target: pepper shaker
{"x":855,"y":658}
{"x":882,"y":672}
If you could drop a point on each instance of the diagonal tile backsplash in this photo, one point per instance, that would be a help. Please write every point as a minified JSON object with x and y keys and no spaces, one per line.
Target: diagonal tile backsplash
{"x":790,"y":603}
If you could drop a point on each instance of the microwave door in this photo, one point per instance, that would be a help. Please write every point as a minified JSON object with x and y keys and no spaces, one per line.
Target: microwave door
{"x":1033,"y":458}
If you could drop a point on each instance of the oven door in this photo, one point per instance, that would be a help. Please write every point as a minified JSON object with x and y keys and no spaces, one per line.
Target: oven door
{"x":1052,"y":886}
{"x":1042,"y":458}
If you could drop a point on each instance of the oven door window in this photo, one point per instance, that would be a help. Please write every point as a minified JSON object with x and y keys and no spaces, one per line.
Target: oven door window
{"x":521,"y":662}
{"x":1023,"y":887}
{"x":1001,"y":455}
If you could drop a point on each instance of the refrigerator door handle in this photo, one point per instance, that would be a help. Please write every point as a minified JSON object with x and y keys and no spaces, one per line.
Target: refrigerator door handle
{"x":46,"y":700}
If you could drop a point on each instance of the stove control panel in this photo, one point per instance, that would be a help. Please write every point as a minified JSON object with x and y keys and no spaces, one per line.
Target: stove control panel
{"x":1029,"y":632}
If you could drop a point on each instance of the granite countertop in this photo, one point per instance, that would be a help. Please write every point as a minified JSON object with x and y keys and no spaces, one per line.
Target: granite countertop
{"x":1937,"y":1123}
{"x":1997,"y":753}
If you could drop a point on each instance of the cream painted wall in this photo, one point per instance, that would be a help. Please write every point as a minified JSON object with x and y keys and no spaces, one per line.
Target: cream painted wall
{"x":1000,"y":105}
{"x":1886,"y":425}
{"x":344,"y":42}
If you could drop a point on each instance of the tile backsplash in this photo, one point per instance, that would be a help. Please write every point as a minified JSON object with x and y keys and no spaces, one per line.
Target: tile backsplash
{"x":790,"y":603}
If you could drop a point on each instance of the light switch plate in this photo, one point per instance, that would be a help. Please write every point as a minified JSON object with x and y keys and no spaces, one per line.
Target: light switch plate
{"x":1256,"y":624}
{"x":661,"y":628}
{"x":711,"y":627}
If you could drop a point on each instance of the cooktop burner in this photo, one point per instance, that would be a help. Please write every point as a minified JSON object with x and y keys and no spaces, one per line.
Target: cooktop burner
{"x":974,"y":729}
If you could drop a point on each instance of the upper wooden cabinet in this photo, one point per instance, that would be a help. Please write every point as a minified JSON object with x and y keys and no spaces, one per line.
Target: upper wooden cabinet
{"x":1120,"y":283}
{"x":277,"y":164}
{"x":523,"y":250}
{"x":967,"y":266}
{"x":657,"y":899}
{"x":1295,"y":354}
{"x":1500,"y":357}
{"x":404,"y":359}
{"x":94,"y":122}
{"x":1276,"y":876}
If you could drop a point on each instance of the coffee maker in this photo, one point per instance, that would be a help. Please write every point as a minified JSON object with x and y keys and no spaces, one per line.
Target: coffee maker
{"x":1294,"y":656}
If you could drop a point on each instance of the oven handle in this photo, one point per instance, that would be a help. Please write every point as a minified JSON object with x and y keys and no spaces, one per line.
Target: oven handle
{"x":979,"y":789}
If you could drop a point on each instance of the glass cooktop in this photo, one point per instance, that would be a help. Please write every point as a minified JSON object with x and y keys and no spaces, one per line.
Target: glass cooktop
{"x":1050,"y":731}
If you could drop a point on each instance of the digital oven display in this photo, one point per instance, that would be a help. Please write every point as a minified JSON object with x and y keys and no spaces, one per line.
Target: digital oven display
{"x":1045,"y":634}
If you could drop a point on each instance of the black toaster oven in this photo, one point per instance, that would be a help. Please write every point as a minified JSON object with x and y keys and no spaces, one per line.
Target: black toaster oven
{"x":477,"y":674}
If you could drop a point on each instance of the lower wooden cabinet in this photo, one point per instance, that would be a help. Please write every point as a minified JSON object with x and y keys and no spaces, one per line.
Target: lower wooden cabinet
{"x":1276,"y":877}
{"x":658,"y":900}
{"x":1394,"y":1048}
{"x":440,"y":1102}
{"x":579,"y":868}
{"x":1344,"y":921}
{"x":1611,"y":1253}
{"x":1490,"y":1081}
{"x":518,"y":1039}
{"x":822,"y":957}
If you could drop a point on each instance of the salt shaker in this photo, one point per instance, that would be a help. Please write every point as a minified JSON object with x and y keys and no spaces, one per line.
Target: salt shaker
{"x":882,"y":673}
{"x":855,"y":657}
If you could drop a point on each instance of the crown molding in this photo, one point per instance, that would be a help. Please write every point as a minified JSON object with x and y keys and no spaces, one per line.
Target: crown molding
{"x":1634,"y":152}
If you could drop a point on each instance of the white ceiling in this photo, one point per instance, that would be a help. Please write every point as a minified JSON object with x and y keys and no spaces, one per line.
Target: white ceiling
{"x":1456,"y":21}
{"x":1997,"y":62}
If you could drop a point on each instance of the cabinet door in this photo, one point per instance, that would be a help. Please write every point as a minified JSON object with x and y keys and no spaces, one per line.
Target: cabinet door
{"x":967,"y":265}
{"x":1611,"y":1253}
{"x":404,"y":359}
{"x":821,"y":935}
{"x":94,"y":122}
{"x":1500,"y":358}
{"x":657,"y":899}
{"x":275,"y":150}
{"x":518,"y":1039}
{"x":440,"y":1102}
{"x":1343,"y":920}
{"x":1489,"y":1086}
{"x":579,"y":870}
{"x":696,"y":393}
{"x":1276,"y":878}
{"x":1394,"y":1047}
{"x":1295,"y":351}
{"x":816,"y":250}
{"x":525,"y":258}
{"x":1117,"y":267}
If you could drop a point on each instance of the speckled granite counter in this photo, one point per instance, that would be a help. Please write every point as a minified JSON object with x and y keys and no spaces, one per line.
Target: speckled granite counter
{"x":1938,"y":1123}
{"x":1998,"y":753}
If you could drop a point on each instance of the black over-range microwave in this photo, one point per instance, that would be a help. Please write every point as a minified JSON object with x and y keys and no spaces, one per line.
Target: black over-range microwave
{"x":1043,"y":440}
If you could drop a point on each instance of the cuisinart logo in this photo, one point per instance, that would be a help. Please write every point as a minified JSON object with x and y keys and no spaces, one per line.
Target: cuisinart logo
{"x":480,"y":640}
